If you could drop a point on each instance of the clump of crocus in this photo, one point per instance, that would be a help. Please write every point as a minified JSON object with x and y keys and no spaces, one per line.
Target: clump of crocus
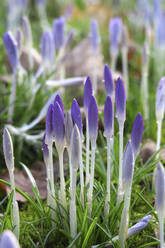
{"x":8,"y":240}
{"x":160,"y":109}
{"x":59,"y":137}
{"x":159,"y":181}
{"x":12,"y":51}
{"x":108,"y":132}
{"x":127,"y":186}
{"x":93,"y":132}
{"x":88,"y":92}
{"x":9,"y":159}
{"x":75,"y":162}
{"x":120,"y":100}
{"x":76,"y":117}
{"x":95,"y":41}
{"x":115,"y":31}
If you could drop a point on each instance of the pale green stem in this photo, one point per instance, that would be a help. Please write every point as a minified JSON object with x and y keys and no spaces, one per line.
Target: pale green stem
{"x":125,"y":217}
{"x":120,"y":189}
{"x":12,"y":97}
{"x":107,"y":199}
{"x":73,"y":219}
{"x":87,"y":151}
{"x":113,"y":63}
{"x":161,"y":224}
{"x":125,"y":68}
{"x":159,"y":127}
{"x":90,"y":191}
{"x":81,"y":177}
{"x":144,"y":92}
{"x":62,"y":180}
{"x":95,"y":86}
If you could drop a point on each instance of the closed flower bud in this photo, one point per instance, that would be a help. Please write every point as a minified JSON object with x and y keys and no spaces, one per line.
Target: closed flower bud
{"x":59,"y":32}
{"x":75,"y":147}
{"x":95,"y":38}
{"x":8,"y":150}
{"x":137,"y":133}
{"x":47,"y":47}
{"x":115,"y":30}
{"x":60,"y":102}
{"x":160,"y":100}
{"x":76,"y":116}
{"x":120,"y":100}
{"x":108,"y":118}
{"x":27,"y":30}
{"x":87,"y":94}
{"x":128,"y":164}
{"x":138,"y":226}
{"x":93,"y":120}
{"x":8,"y":240}
{"x":108,"y":81}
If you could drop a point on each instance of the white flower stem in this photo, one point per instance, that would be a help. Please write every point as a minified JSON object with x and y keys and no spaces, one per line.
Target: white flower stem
{"x":51,"y":185}
{"x":159,"y":127}
{"x":90,"y":191}
{"x":125,"y":68}
{"x":120,"y":189}
{"x":95,"y":74}
{"x":62,"y":180}
{"x":73,"y":219}
{"x":144,"y":92}
{"x":125,"y":217}
{"x":113,"y":63}
{"x":87,"y":152}
{"x":161,"y":224}
{"x":81,"y":177}
{"x":107,"y":199}
{"x":70,"y":171}
{"x":12,"y":97}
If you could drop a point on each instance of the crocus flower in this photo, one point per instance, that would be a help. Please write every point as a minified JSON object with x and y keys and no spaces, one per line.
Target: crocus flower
{"x":137,"y":133}
{"x":138,"y":226}
{"x":93,"y":120}
{"x":8,"y":240}
{"x":49,"y":125}
{"x":108,"y":81}
{"x":95,"y":38}
{"x":108,"y":118}
{"x":75,"y":147}
{"x":115,"y":30}
{"x":120,"y":100}
{"x":160,"y":100}
{"x":160,"y":31}
{"x":8,"y":150}
{"x":68,"y":129}
{"x":47,"y":46}
{"x":76,"y":116}
{"x":60,"y":102}
{"x":12,"y":49}
{"x":127,"y":164}
{"x":58,"y":127}
{"x":88,"y":92}
{"x":59,"y":32}
{"x":27,"y":30}
{"x":45,"y":149}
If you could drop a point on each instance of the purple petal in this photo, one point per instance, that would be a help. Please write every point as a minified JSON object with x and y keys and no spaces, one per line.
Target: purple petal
{"x":58,"y":126}
{"x":47,"y":46}
{"x":108,"y":81}
{"x":95,"y":38}
{"x":59,"y":32}
{"x":115,"y":30}
{"x":12,"y":49}
{"x":159,"y":180}
{"x":128,"y":163}
{"x":49,"y":125}
{"x":120,"y":100}
{"x":60,"y":102}
{"x":138,"y":226}
{"x":8,"y":240}
{"x":76,"y":116}
{"x":160,"y":99}
{"x":87,"y":94}
{"x":160,"y":30}
{"x":137,"y":133}
{"x":108,"y":117}
{"x":93,"y":119}
{"x":45,"y":148}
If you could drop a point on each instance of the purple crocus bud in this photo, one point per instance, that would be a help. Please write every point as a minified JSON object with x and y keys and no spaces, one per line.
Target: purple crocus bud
{"x":95,"y":38}
{"x":108,"y":118}
{"x":47,"y":47}
{"x":137,"y":133}
{"x":58,"y":127}
{"x":115,"y":30}
{"x":159,"y":181}
{"x":68,"y":129}
{"x":138,"y":226}
{"x":120,"y":100}
{"x":160,"y":100}
{"x":93,"y":120}
{"x":75,"y":147}
{"x":8,"y":240}
{"x":49,"y":126}
{"x":127,"y":164}
{"x":12,"y":49}
{"x":45,"y":150}
{"x":27,"y":30}
{"x":160,"y":31}
{"x":8,"y":149}
{"x":88,"y":92}
{"x":59,"y":100}
{"x":108,"y":81}
{"x":59,"y":32}
{"x":76,"y":116}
